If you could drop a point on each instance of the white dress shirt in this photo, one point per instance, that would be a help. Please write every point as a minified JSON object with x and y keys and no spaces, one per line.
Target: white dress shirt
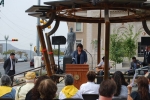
{"x":89,"y":88}
{"x":77,"y":95}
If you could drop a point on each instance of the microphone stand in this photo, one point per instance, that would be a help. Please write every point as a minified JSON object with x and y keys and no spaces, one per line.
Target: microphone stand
{"x":90,"y":55}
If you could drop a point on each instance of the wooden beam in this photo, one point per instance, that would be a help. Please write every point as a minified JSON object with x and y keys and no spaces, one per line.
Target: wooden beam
{"x":107,"y":39}
{"x":99,"y":43}
{"x":46,"y":60}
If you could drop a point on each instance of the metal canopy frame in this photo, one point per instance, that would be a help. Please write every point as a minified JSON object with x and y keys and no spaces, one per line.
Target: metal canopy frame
{"x":66,"y":10}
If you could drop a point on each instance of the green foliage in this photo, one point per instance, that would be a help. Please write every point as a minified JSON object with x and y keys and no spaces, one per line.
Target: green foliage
{"x":8,"y":52}
{"x":26,"y":55}
{"x":130,"y":42}
{"x":94,"y":43}
{"x":55,"y":52}
{"x":116,"y":48}
{"x":20,"y":53}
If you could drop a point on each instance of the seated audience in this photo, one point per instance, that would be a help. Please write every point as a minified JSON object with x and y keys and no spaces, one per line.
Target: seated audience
{"x":90,"y":87}
{"x":47,"y":90}
{"x":147,"y":75}
{"x":143,"y":90}
{"x":107,"y":89}
{"x":5,"y":89}
{"x":34,"y":94}
{"x":23,"y":90}
{"x":69,"y":91}
{"x":119,"y":79}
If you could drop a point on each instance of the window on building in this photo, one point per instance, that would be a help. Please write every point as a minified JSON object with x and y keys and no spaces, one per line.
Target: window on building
{"x":78,"y":41}
{"x":141,"y":50}
{"x":79,"y":27}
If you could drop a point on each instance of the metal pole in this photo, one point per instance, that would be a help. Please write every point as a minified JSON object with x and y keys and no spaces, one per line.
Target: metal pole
{"x":30,"y":50}
{"x":6,"y":38}
{"x":58,"y":55}
{"x":37,"y":41}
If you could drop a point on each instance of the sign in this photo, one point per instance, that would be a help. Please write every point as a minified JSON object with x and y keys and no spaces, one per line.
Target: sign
{"x":2,"y":2}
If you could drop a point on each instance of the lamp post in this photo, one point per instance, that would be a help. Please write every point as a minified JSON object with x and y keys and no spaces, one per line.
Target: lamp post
{"x":30,"y":50}
{"x":6,"y":39}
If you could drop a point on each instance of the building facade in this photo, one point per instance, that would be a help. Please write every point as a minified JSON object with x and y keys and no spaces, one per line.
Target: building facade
{"x":86,"y":33}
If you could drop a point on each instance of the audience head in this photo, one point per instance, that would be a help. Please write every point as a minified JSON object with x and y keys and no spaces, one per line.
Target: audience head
{"x":103,"y":58}
{"x":147,"y":75}
{"x":79,"y":47}
{"x":91,"y":76}
{"x":36,"y":94}
{"x":5,"y":80}
{"x":133,"y":59}
{"x":69,"y":79}
{"x":143,"y":88}
{"x":47,"y":89}
{"x":30,"y":76}
{"x":110,"y":90}
{"x":119,"y":80}
{"x":12,"y":55}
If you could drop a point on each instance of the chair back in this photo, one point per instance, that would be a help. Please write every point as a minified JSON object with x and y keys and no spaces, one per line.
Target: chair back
{"x":72,"y":99}
{"x":6,"y":99}
{"x":119,"y":98}
{"x":90,"y":96}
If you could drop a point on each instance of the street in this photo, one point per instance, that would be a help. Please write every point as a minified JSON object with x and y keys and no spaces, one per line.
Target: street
{"x":20,"y":67}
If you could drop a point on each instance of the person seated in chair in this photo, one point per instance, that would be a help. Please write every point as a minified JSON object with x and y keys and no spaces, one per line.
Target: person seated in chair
{"x":69,"y":91}
{"x":100,"y":67}
{"x":5,"y":89}
{"x":107,"y":89}
{"x":90,"y":87}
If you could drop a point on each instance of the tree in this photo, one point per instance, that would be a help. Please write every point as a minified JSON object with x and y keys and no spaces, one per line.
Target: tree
{"x":55,"y":52}
{"x":20,"y":53}
{"x":26,"y":55}
{"x":8,"y":52}
{"x":130,"y":42}
{"x":116,"y":48}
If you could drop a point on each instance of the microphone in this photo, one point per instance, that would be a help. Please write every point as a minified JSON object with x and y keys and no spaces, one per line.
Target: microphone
{"x":91,"y":56}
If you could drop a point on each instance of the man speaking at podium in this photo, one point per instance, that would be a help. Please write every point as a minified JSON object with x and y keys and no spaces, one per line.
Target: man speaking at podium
{"x":79,"y":56}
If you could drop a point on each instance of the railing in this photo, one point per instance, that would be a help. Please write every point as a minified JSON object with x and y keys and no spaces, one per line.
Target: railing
{"x":39,"y":68}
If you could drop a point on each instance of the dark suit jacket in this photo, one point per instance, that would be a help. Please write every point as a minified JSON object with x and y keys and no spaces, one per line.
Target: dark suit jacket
{"x":132,"y":64}
{"x":7,"y":66}
{"x":146,"y":57}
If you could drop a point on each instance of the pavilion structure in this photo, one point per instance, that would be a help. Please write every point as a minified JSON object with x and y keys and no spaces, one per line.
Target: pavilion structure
{"x":66,"y":10}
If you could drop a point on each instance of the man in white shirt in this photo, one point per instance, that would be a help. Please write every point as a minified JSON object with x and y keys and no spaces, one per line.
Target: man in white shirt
{"x":90,"y":87}
{"x":101,"y":66}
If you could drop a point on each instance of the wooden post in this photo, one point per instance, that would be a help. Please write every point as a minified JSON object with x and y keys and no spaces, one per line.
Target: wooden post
{"x":46,"y":60}
{"x":107,"y":40}
{"x":99,"y":44}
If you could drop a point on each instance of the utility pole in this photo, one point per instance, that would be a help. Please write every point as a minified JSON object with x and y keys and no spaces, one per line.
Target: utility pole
{"x":30,"y":50}
{"x":38,"y":42}
{"x":6,"y":39}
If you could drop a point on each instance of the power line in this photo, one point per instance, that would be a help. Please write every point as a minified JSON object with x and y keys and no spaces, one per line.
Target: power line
{"x":15,"y":30}
{"x":18,"y":18}
{"x":16,"y":24}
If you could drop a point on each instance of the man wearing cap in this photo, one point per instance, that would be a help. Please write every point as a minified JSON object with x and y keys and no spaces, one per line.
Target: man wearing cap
{"x":9,"y":66}
{"x":23,"y":90}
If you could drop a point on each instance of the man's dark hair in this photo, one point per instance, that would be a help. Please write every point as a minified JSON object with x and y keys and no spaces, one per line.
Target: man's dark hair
{"x":107,"y":88}
{"x":103,"y":58}
{"x":91,"y":76}
{"x":12,"y":54}
{"x":134,"y":58}
{"x":80,"y":45}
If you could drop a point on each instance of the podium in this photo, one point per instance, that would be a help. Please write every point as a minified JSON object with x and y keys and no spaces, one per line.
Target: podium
{"x":79,"y":73}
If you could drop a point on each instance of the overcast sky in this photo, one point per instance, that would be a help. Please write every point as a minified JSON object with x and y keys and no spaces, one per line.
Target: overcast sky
{"x":15,"y":23}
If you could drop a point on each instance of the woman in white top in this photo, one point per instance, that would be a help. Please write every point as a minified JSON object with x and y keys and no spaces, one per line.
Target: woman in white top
{"x":119,"y":79}
{"x":147,"y":75}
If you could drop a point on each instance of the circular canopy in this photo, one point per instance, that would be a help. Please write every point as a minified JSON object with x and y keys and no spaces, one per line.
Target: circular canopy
{"x":66,"y":10}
